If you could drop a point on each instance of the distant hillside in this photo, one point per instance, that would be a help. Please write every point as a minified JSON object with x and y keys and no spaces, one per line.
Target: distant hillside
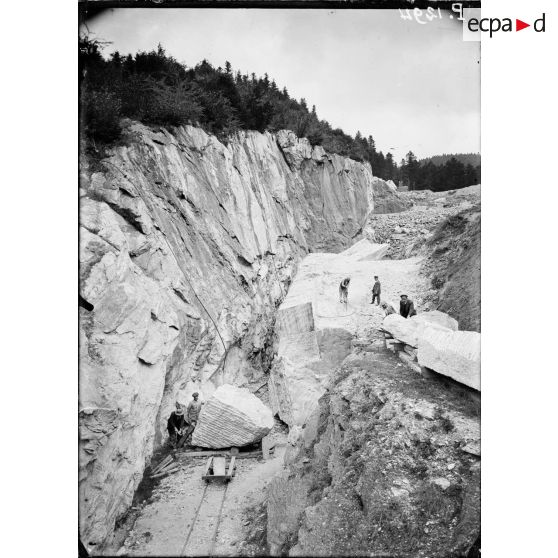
{"x":473,"y":159}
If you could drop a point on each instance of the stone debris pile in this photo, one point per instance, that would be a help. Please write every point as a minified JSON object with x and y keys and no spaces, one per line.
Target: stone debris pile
{"x":431,"y":342}
{"x":232,"y":417}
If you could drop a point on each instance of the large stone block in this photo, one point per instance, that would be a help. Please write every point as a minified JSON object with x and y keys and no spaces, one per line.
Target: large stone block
{"x":295,"y":319}
{"x":401,"y":328}
{"x":455,"y":354}
{"x":408,"y":330}
{"x":232,"y":417}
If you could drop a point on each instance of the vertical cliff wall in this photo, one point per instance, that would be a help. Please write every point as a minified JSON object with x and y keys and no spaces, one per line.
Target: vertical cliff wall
{"x":187,"y":246}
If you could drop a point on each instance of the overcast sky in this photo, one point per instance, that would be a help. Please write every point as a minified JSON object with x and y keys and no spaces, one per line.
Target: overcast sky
{"x":413,"y":87}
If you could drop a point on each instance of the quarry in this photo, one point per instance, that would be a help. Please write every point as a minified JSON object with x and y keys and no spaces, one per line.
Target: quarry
{"x":214,"y":268}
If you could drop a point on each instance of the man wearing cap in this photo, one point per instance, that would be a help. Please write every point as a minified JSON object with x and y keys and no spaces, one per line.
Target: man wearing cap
{"x":194,"y":408}
{"x":192,"y":414}
{"x":406,"y":307}
{"x":176,"y":425}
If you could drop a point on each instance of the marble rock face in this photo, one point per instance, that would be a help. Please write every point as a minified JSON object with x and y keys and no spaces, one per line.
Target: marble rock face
{"x":187,"y":247}
{"x":232,"y":417}
{"x":455,"y":354}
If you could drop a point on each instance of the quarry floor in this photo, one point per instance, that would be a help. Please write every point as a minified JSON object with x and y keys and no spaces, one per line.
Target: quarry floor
{"x":162,"y":527}
{"x":318,"y":279}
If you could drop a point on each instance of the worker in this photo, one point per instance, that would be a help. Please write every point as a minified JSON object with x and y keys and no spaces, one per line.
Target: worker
{"x":176,"y":425}
{"x":194,"y":408}
{"x":344,"y":290}
{"x":192,"y":415}
{"x":376,"y":290}
{"x":406,"y":307}
{"x":388,"y":309}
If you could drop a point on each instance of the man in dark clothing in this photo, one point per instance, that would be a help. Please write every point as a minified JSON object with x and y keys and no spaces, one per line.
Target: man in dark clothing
{"x":406,"y":307}
{"x":176,"y":425}
{"x":344,"y":290}
{"x":376,"y":290}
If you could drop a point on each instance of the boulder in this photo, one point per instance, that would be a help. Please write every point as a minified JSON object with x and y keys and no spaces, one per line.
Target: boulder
{"x":232,"y":417}
{"x":386,"y":199}
{"x":455,"y":354}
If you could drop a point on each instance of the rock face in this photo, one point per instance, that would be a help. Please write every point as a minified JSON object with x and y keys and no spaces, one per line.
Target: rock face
{"x":232,"y":417}
{"x":187,"y":246}
{"x":452,"y":353}
{"x":453,"y":257}
{"x":386,"y":199}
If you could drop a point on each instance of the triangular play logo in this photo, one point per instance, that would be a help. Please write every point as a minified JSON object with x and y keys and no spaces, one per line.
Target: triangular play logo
{"x":519,"y":25}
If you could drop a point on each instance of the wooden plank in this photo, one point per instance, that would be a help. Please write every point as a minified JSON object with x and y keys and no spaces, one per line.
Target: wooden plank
{"x":219,"y":464}
{"x":232,"y":464}
{"x":218,"y":452}
{"x":162,"y":464}
{"x":166,"y":472}
{"x":247,"y":454}
{"x":170,"y":465}
{"x":203,"y":453}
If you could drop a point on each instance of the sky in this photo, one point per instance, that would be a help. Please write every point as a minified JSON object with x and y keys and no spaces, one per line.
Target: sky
{"x":411,"y":86}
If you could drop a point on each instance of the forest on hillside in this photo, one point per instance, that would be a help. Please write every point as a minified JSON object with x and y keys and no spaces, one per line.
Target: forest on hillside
{"x":153,"y":88}
{"x":473,"y":159}
{"x":449,"y":175}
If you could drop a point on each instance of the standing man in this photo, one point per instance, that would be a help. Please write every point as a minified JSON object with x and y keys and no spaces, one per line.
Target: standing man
{"x":193,"y":411}
{"x":176,"y":424}
{"x":406,"y":307}
{"x":192,"y":414}
{"x":344,"y":290}
{"x":376,"y":290}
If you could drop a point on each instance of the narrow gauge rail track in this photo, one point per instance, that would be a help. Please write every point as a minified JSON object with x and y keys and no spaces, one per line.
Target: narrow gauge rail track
{"x":197,"y":542}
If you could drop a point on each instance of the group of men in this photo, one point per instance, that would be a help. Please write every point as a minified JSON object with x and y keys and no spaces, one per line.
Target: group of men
{"x":181,"y":424}
{"x":406,"y":305}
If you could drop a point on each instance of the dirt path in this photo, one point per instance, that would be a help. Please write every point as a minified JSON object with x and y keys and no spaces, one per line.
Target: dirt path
{"x":168,"y":524}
